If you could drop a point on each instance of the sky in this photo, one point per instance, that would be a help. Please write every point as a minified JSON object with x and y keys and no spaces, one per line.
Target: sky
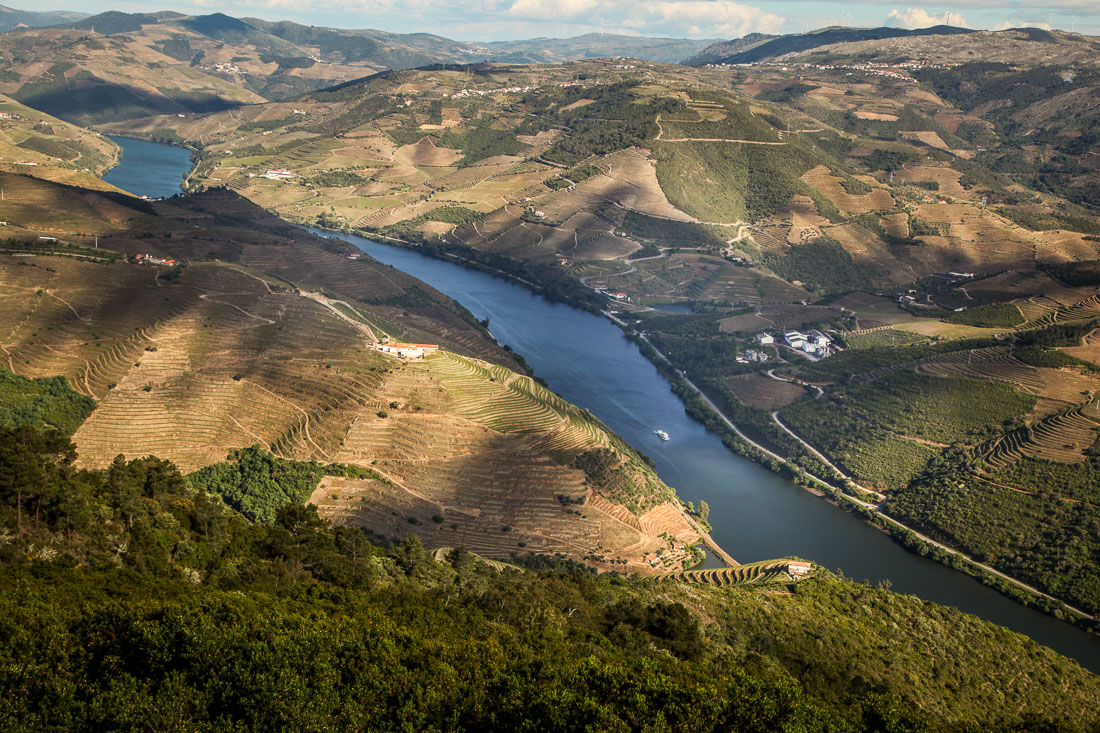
{"x":501,"y":20}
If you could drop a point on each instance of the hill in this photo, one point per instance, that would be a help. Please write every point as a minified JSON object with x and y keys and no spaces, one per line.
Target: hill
{"x":116,"y":65}
{"x":252,"y":332}
{"x":519,"y":161}
{"x":755,"y":48}
{"x":52,"y":148}
{"x":131,"y":599}
{"x":591,"y":46}
{"x":10,"y":18}
{"x":719,"y":50}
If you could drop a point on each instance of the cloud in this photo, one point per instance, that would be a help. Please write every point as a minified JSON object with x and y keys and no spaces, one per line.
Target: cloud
{"x":693,"y":18}
{"x":920,"y":18}
{"x":1018,"y":23}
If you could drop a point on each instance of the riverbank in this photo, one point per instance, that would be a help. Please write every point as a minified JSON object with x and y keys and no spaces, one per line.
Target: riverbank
{"x":906,"y":536}
{"x":831,"y":487}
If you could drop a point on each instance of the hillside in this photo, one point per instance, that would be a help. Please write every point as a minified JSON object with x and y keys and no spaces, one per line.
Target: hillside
{"x":32,"y":141}
{"x":266,"y":335}
{"x":10,"y":18}
{"x":129,"y":599}
{"x":756,"y":47}
{"x":519,"y":161}
{"x":591,"y":46}
{"x":117,"y":66}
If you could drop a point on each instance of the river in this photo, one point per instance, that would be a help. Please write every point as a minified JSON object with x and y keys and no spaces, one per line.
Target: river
{"x":755,"y":513}
{"x":149,"y":169}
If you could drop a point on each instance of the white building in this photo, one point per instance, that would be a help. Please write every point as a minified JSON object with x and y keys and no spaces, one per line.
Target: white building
{"x":795,"y":339}
{"x":409,"y":351}
{"x":764,"y":339}
{"x":818,"y":339}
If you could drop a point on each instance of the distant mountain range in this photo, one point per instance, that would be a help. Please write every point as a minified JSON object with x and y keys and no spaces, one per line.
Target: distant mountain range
{"x":393,"y":50}
{"x":379,"y":50}
{"x":11,"y":18}
{"x":759,"y":47}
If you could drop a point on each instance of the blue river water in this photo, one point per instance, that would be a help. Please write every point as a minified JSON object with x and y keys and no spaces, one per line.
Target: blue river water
{"x":755,"y":513}
{"x":149,"y":169}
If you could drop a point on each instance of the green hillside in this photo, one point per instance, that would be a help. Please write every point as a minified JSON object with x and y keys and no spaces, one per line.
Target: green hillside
{"x":134,"y":601}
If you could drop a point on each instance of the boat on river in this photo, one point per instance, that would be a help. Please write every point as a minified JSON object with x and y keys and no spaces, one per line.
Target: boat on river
{"x":661,"y":434}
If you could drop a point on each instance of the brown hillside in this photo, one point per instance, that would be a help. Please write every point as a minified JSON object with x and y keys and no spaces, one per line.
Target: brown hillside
{"x":189,"y":364}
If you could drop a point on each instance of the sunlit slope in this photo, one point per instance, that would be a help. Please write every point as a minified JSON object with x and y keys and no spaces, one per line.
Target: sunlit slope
{"x":191,"y":362}
{"x":591,"y":162}
{"x":32,"y":141}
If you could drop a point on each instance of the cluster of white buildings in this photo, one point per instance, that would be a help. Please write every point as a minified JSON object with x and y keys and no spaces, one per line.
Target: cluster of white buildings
{"x":751,"y":356}
{"x":485,"y":92}
{"x":875,"y":69}
{"x":147,"y":259}
{"x":223,"y":68}
{"x":812,"y":342}
{"x":276,"y":174}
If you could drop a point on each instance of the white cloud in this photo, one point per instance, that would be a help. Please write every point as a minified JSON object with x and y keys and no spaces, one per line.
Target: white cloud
{"x":693,"y":18}
{"x":920,"y":18}
{"x":1018,"y":23}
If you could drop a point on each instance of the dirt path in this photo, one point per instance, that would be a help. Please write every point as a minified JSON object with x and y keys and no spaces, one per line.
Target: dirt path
{"x":823,"y":459}
{"x":820,"y":391}
{"x":67,"y":305}
{"x":662,"y":138}
{"x":305,"y":415}
{"x":210,"y":297}
{"x":329,"y":304}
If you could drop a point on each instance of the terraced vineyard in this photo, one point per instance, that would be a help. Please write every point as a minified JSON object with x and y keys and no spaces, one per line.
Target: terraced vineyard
{"x":1079,"y":311}
{"x":471,"y":452}
{"x":997,"y":364}
{"x":1063,"y":437}
{"x":192,"y":362}
{"x":759,"y":573}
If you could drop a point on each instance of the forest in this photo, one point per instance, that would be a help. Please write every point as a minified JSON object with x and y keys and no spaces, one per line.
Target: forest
{"x":134,"y":601}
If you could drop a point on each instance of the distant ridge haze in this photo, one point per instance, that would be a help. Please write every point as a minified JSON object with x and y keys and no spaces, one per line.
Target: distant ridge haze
{"x":12,"y":18}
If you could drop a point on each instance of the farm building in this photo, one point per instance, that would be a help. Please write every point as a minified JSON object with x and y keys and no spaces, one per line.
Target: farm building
{"x":752,"y":356}
{"x":811,"y":342}
{"x":409,"y":351}
{"x":764,"y":339}
{"x":817,"y":338}
{"x":795,"y":568}
{"x":151,"y":260}
{"x":795,"y":339}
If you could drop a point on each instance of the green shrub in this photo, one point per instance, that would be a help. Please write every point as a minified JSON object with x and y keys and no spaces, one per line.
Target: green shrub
{"x":995,"y":315}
